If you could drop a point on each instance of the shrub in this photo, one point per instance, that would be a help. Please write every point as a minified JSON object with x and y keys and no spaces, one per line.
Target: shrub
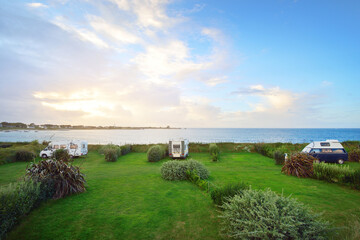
{"x":299,"y":164}
{"x":24,"y":156}
{"x":263,"y":149}
{"x":66,"y":179}
{"x":111,"y":155}
{"x":107,"y":147}
{"x":354,"y":155}
{"x":193,"y":177}
{"x":176,"y":170}
{"x":265,"y":215}
{"x":214,"y":151}
{"x":155,"y":153}
{"x":332,"y":172}
{"x":16,"y":200}
{"x":125,"y":149}
{"x":222,"y":194}
{"x":62,"y":155}
{"x":356,"y":179}
{"x":279,"y":157}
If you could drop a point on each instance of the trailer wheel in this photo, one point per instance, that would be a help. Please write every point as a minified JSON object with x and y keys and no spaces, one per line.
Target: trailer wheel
{"x":44,"y":156}
{"x":340,"y":161}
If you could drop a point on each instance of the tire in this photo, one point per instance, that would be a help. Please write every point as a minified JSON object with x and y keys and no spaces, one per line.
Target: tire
{"x":44,"y":156}
{"x":340,"y":161}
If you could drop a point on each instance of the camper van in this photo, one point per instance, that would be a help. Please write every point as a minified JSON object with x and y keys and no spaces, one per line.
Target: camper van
{"x":179,"y":149}
{"x":75,"y":148}
{"x":327,"y":151}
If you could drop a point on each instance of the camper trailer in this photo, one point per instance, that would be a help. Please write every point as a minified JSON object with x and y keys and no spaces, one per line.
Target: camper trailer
{"x":75,"y":148}
{"x":179,"y":149}
{"x":327,"y":151}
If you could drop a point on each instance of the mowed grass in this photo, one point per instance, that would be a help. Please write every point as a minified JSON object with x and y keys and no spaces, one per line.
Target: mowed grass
{"x":128,"y":199}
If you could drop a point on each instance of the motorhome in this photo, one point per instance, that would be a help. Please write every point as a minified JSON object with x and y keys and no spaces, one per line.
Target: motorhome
{"x":327,"y":151}
{"x":75,"y":148}
{"x":179,"y":148}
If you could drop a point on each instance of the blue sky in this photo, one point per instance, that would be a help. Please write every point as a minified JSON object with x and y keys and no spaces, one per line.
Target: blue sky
{"x":181,"y":63}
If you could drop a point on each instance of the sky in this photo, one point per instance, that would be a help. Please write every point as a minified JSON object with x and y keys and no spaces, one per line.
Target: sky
{"x":223,"y":64}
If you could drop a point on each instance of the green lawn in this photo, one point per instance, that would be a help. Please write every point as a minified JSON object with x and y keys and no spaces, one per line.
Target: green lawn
{"x":128,"y":199}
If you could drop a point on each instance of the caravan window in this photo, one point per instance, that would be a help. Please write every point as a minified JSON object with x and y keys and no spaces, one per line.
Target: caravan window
{"x":325,"y":144}
{"x":63,"y":146}
{"x":326,"y":150}
{"x":315,"y":150}
{"x":338,"y":150}
{"x":56,"y":147}
{"x":83,"y":146}
{"x":73,"y":146}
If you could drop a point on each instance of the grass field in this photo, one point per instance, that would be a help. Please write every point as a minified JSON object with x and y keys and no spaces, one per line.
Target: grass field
{"x":128,"y":199}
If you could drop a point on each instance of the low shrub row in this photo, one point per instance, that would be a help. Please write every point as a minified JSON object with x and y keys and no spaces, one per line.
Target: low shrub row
{"x":337,"y":174}
{"x":177,"y":170}
{"x":222,"y":194}
{"x":279,"y":157}
{"x":214,"y":152}
{"x":111,"y":152}
{"x":354,"y":155}
{"x":125,"y":149}
{"x":256,"y":214}
{"x":20,"y":152}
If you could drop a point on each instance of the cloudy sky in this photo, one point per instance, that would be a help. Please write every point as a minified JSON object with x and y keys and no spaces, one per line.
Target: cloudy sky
{"x":181,"y":63}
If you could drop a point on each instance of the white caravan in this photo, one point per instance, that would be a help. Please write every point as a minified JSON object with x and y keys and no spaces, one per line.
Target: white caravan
{"x":179,"y":149}
{"x":75,"y":148}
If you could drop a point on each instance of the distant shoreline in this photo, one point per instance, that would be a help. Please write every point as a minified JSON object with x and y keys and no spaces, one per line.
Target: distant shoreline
{"x":69,"y":129}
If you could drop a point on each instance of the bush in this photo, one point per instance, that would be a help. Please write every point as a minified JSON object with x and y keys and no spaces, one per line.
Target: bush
{"x":111,"y":155}
{"x":176,"y":170}
{"x":62,"y":155}
{"x":16,"y":200}
{"x":155,"y":153}
{"x":107,"y":147}
{"x":66,"y":179}
{"x":279,"y":157}
{"x":125,"y":149}
{"x":354,"y":155}
{"x":24,"y":156}
{"x":265,"y":215}
{"x":299,"y":164}
{"x":222,"y":194}
{"x":332,"y":172}
{"x":193,"y":177}
{"x":214,"y":151}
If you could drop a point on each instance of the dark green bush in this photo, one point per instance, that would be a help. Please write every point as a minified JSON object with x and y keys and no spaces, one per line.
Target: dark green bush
{"x":279,"y":157}
{"x":214,"y":151}
{"x":299,"y":164}
{"x":222,"y":194}
{"x":16,"y":201}
{"x":66,"y":178}
{"x":155,"y":153}
{"x":24,"y":156}
{"x":111,"y":155}
{"x":265,"y":215}
{"x":116,"y":148}
{"x":354,"y":155}
{"x":62,"y":155}
{"x":176,"y":170}
{"x":125,"y":149}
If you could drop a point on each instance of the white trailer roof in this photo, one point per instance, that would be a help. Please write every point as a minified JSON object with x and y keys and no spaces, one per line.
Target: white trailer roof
{"x":323,"y":144}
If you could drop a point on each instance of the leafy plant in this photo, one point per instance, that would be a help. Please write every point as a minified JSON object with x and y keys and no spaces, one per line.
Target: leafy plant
{"x":332,"y":172}
{"x":176,"y":170}
{"x":279,"y":157}
{"x":299,"y":164}
{"x":193,"y":177}
{"x":16,"y":200}
{"x":62,"y":155}
{"x":354,"y":155}
{"x":214,"y":151}
{"x":107,"y":147}
{"x":265,"y":215}
{"x":222,"y":194}
{"x":24,"y":156}
{"x":155,"y":153}
{"x":66,"y":179}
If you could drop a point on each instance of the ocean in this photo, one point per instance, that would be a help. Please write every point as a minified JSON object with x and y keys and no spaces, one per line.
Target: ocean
{"x":203,"y":135}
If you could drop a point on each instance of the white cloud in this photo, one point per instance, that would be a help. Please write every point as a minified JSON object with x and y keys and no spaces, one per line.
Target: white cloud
{"x":113,"y":31}
{"x":216,"y":81}
{"x":36,"y":5}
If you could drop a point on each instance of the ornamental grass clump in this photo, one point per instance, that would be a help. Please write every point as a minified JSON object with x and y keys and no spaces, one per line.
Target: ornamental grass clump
{"x":299,"y":164}
{"x":214,"y":152}
{"x":155,"y":153}
{"x":222,"y":194}
{"x":265,"y":215}
{"x":66,"y":179}
{"x":332,"y":172}
{"x":111,"y":155}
